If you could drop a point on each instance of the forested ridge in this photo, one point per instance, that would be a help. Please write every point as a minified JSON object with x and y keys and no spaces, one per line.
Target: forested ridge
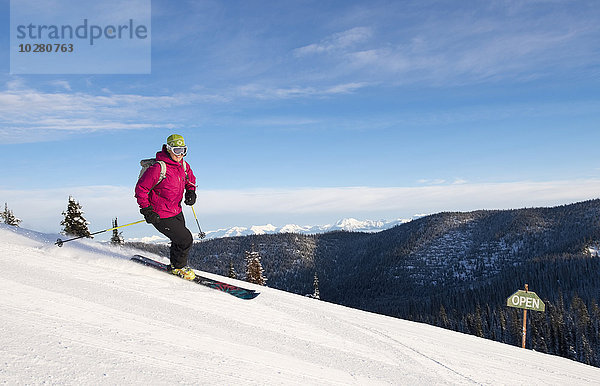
{"x":451,"y":269}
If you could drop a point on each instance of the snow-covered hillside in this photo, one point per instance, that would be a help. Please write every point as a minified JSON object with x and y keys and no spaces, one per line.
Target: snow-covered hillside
{"x":85,"y":314}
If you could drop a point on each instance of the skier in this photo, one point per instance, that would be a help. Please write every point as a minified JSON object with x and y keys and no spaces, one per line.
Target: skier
{"x":160,"y":201}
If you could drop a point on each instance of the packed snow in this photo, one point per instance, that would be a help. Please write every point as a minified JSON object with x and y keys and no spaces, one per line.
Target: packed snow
{"x":85,"y":314}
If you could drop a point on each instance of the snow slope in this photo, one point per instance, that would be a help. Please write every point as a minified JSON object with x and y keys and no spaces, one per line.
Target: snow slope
{"x":84,"y":314}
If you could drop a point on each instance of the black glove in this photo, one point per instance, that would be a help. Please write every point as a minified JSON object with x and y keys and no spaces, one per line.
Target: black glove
{"x":150,"y":215}
{"x":190,"y":197}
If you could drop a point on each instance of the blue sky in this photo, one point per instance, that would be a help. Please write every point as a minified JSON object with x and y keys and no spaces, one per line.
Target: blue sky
{"x":310,"y":111}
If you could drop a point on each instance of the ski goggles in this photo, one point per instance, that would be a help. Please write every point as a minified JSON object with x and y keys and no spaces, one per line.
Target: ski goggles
{"x":178,"y":150}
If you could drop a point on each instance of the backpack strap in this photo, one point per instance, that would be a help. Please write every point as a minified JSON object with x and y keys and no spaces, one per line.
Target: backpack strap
{"x":163,"y":172}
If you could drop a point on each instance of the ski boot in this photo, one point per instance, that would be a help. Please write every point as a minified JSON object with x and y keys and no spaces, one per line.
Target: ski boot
{"x":186,"y":272}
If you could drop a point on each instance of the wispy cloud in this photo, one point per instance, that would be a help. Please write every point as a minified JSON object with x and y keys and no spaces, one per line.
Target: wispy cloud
{"x":440,"y":181}
{"x":40,"y":209}
{"x":61,"y":84}
{"x":458,"y":46}
{"x":336,"y":42}
{"x":259,"y":91}
{"x":406,"y":201}
{"x":41,"y":114}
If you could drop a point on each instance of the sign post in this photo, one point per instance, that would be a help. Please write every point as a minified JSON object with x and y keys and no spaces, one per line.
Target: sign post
{"x":527,"y":301}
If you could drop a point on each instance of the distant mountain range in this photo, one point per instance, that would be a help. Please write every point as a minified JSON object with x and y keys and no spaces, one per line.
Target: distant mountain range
{"x":347,"y":224}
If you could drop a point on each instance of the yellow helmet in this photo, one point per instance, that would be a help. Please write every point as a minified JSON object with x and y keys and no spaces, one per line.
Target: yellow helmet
{"x":175,"y":140}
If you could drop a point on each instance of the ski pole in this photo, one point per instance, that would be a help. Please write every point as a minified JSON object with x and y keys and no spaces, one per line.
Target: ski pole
{"x":60,"y":242}
{"x":201,"y":234}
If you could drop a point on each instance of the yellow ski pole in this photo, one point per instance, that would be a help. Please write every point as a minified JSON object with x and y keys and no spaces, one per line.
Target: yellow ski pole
{"x":60,"y":242}
{"x":201,"y":234}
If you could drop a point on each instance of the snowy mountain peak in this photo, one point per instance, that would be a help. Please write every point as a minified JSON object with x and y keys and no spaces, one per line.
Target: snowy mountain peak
{"x":262,"y":229}
{"x":352,"y":224}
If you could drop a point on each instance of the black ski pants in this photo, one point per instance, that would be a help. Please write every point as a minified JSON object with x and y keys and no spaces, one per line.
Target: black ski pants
{"x":181,"y":238}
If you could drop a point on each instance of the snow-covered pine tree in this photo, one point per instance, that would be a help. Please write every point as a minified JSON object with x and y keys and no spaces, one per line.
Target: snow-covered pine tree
{"x":74,"y":223}
{"x":8,"y":216}
{"x":117,"y":237}
{"x":231,"y":273}
{"x":254,"y":269}
{"x":316,"y":294}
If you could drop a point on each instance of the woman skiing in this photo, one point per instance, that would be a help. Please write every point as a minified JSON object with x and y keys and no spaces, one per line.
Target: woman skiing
{"x":159,"y":192}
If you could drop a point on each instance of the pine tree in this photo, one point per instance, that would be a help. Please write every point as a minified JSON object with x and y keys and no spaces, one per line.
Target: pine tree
{"x":74,"y":222}
{"x":582,"y":326}
{"x":443,"y":317}
{"x":231,"y":273}
{"x":254,"y":269}
{"x":117,"y":237}
{"x":316,"y":294}
{"x":8,"y":217}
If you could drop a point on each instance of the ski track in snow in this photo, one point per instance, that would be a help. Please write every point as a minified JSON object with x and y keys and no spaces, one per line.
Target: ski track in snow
{"x":85,"y":314}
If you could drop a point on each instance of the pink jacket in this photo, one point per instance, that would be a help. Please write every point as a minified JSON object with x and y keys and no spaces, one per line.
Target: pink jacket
{"x":165,"y":197}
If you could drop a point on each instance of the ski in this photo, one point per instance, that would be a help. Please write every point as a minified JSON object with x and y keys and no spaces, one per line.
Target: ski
{"x":236,"y":291}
